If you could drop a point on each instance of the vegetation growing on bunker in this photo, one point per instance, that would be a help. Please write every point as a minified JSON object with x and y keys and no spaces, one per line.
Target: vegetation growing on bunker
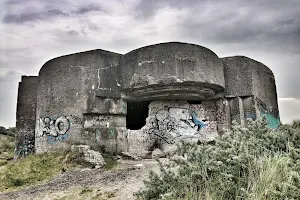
{"x":252,"y":162}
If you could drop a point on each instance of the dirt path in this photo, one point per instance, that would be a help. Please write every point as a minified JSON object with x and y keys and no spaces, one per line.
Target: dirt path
{"x":120,"y":183}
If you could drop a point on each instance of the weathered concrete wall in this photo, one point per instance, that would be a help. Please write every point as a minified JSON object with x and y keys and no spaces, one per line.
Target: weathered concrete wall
{"x":270,"y":112}
{"x":26,"y":110}
{"x":105,"y":125}
{"x":223,"y":115}
{"x":171,"y":121}
{"x":104,"y":122}
{"x":265,"y":94}
{"x":67,"y":89}
{"x":249,"y":107}
{"x":174,"y":70}
{"x":235,"y":114}
{"x":105,"y":132}
{"x":238,"y":76}
{"x":247,"y":77}
{"x":82,"y":98}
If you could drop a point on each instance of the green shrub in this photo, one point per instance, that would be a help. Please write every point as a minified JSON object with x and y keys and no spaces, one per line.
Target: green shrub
{"x":7,"y":146}
{"x":10,"y":131}
{"x":110,"y":161}
{"x":252,"y":162}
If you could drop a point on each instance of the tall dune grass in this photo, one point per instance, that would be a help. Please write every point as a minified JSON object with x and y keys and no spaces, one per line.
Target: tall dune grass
{"x":252,"y":162}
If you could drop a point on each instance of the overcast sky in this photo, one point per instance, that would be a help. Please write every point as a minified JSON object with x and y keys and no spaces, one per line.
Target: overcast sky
{"x":34,"y":31}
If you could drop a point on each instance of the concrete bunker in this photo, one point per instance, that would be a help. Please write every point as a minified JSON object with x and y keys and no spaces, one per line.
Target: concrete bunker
{"x":151,"y":97}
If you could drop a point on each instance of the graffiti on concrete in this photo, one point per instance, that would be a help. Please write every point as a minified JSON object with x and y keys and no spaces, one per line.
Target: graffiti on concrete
{"x":25,"y":148}
{"x":200,"y":124}
{"x":205,"y":116}
{"x":171,"y":123}
{"x":273,"y":122}
{"x":97,"y":121}
{"x":60,"y":138}
{"x":54,"y":129}
{"x":251,"y":116}
{"x":162,"y":125}
{"x":269,"y":114}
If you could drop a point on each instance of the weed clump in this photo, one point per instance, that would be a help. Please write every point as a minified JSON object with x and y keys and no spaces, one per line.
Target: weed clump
{"x":252,"y":162}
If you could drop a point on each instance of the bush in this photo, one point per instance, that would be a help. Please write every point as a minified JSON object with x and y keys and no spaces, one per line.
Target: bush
{"x":252,"y":162}
{"x":7,"y":145}
{"x":10,"y":131}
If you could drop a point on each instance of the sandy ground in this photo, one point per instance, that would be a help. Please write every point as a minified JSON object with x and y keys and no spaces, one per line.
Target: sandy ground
{"x":120,"y":183}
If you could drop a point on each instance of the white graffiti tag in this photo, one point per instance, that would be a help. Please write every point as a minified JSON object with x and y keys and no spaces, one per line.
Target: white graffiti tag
{"x":52,"y":127}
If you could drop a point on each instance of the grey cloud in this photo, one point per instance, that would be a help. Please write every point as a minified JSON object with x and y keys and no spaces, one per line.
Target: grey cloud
{"x":87,"y":25}
{"x":125,"y":44}
{"x":146,"y":9}
{"x":72,"y":33}
{"x":83,"y":31}
{"x":21,"y":18}
{"x":67,"y":35}
{"x":45,"y":14}
{"x":271,"y":21}
{"x":22,"y":2}
{"x":287,"y":78}
{"x":93,"y":26}
{"x":69,"y":41}
{"x":87,"y":9}
{"x":268,"y":31}
{"x":288,"y":109}
{"x":55,"y":12}
{"x":12,"y":2}
{"x":10,"y":75}
{"x":278,"y":34}
{"x":9,"y":87}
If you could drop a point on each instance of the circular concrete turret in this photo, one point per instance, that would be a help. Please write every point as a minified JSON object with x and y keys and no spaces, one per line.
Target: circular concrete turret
{"x":67,"y":91}
{"x":171,"y":70}
{"x":247,"y":77}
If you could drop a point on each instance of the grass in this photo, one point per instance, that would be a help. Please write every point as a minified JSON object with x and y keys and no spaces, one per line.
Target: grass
{"x":110,"y":161}
{"x":83,"y":194}
{"x":86,"y":190}
{"x":267,"y":174}
{"x":36,"y":168}
{"x":252,"y":162}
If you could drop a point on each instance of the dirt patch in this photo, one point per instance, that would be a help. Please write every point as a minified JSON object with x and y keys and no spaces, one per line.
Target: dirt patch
{"x":120,"y":183}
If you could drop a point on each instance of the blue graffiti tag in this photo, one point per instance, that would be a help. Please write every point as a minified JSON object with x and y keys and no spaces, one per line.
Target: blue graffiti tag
{"x":53,"y":140}
{"x":273,"y":122}
{"x":197,"y":121}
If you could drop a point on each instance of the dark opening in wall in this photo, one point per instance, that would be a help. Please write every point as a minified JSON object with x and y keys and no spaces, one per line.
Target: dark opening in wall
{"x":137,"y":112}
{"x":194,"y":101}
